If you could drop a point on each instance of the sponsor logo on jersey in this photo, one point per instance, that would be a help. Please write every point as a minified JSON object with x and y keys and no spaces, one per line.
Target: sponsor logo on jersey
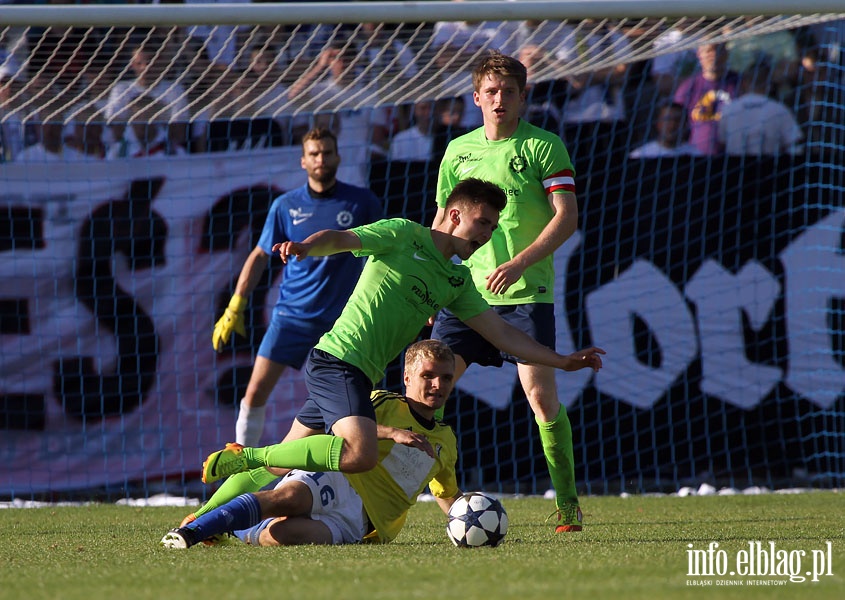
{"x":420,"y":290}
{"x":299,"y":216}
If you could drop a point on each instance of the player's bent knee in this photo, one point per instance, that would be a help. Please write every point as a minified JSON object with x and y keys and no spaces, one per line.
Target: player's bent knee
{"x":358,"y":462}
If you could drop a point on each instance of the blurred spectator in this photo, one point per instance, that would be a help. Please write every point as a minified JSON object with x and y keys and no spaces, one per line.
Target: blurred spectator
{"x":86,"y":132}
{"x":219,"y":45}
{"x":50,"y":146}
{"x":152,"y":62}
{"x":830,"y":37}
{"x":543,"y":99}
{"x":12,"y":81}
{"x":233,"y":120}
{"x":595,"y":105}
{"x":386,"y":56}
{"x":817,"y":95}
{"x":668,"y":68}
{"x":755,"y":124}
{"x":448,"y":115}
{"x":458,"y":45}
{"x":705,"y":94}
{"x":362,"y":133}
{"x":671,"y":139}
{"x":642,"y":103}
{"x":149,"y":133}
{"x":415,"y":142}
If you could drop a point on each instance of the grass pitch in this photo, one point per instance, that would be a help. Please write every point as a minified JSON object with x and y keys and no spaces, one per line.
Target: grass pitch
{"x":630,"y":548}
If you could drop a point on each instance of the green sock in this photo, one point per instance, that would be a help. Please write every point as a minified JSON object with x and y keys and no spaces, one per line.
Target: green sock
{"x":235,"y":485}
{"x":556,"y":437}
{"x":313,"y":453}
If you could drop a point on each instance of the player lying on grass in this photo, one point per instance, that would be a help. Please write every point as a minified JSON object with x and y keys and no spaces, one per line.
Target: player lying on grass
{"x":408,"y":278}
{"x":336,"y":508}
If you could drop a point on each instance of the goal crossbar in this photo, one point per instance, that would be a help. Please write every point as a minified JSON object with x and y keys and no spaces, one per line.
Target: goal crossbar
{"x":354,"y":12}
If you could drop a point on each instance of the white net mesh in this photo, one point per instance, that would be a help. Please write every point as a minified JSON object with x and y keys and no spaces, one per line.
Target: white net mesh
{"x":213,"y":71}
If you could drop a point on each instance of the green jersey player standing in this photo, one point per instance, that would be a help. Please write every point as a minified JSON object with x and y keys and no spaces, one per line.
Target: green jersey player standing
{"x":514,"y":272}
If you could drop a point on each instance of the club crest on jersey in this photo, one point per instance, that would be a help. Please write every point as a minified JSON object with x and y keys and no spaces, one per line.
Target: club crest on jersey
{"x":518,"y":164}
{"x":456,"y":281}
{"x":344,"y":218}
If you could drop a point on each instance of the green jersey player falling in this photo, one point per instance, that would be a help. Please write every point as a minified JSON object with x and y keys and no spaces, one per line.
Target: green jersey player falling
{"x":408,"y":277}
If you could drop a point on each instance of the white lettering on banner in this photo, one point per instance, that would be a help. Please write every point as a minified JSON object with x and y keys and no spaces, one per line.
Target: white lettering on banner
{"x":814,"y":267}
{"x":721,"y":299}
{"x":178,"y":418}
{"x":495,"y":384}
{"x":646,"y":292}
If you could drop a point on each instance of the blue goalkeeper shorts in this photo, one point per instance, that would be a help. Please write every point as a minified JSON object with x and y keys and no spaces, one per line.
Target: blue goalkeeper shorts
{"x":288,"y":341}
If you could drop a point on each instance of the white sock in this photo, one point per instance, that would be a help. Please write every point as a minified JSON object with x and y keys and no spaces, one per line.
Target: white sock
{"x":250,"y":424}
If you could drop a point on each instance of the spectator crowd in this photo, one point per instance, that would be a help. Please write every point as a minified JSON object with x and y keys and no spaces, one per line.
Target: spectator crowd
{"x":102,"y":94}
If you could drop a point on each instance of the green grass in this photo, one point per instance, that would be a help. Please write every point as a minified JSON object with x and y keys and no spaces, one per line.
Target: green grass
{"x":630,"y":548}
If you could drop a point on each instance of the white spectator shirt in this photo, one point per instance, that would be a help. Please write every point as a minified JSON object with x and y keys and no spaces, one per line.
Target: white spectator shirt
{"x":411,"y":144}
{"x":655,"y":149}
{"x":597,"y":101}
{"x":37,"y":153}
{"x":221,"y":41}
{"x":169,"y":93}
{"x":756,"y":125}
{"x":354,"y":129}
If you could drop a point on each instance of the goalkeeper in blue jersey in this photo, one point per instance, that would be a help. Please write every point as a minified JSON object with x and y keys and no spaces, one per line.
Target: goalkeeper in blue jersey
{"x":306,"y":507}
{"x":313,"y":291}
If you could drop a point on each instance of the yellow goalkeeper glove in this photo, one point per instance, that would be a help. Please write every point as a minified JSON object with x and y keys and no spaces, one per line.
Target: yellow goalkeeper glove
{"x":232,"y":320}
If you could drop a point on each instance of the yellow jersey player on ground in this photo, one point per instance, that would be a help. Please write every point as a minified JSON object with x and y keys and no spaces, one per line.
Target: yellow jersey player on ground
{"x":306,"y":507}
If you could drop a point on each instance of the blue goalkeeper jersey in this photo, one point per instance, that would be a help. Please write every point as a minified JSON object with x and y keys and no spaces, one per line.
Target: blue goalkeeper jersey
{"x":317,"y":288}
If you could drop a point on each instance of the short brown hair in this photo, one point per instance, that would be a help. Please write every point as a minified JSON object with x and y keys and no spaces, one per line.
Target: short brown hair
{"x":318,"y":133}
{"x":475,"y":191}
{"x":496,"y":63}
{"x":427,"y":349}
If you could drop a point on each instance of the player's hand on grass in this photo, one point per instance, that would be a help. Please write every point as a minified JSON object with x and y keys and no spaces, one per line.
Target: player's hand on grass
{"x":589,"y":358}
{"x":232,"y":320}
{"x":287,"y":249}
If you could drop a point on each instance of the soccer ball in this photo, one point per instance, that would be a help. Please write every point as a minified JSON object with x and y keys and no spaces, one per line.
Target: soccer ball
{"x":476,"y":519}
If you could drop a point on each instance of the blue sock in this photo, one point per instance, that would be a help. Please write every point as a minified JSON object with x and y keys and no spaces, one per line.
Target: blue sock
{"x":250,"y":536}
{"x":241,"y":513}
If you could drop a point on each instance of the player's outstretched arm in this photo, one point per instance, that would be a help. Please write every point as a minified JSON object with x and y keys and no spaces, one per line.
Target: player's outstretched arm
{"x":322,"y":243}
{"x":506,"y":337}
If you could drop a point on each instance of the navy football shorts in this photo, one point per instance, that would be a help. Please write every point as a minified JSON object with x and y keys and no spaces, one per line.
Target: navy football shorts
{"x":537,"y":320}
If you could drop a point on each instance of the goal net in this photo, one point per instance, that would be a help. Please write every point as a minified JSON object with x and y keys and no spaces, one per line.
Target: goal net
{"x":711,"y":274}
